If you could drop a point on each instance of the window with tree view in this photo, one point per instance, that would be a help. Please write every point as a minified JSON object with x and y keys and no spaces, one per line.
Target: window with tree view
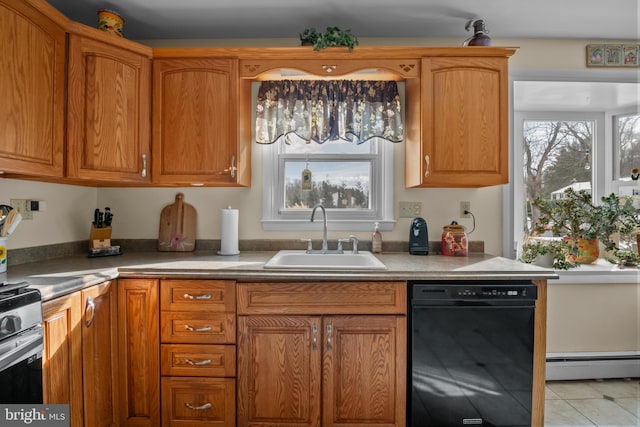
{"x":557,"y":155}
{"x":627,"y":143}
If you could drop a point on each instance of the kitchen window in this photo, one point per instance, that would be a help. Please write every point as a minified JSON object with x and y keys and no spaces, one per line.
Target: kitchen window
{"x":328,"y":142}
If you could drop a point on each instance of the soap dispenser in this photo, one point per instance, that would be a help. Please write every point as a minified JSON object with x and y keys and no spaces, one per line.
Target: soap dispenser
{"x":376,"y":239}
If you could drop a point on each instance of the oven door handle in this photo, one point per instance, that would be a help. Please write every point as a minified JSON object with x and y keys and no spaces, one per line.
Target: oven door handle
{"x":21,"y":347}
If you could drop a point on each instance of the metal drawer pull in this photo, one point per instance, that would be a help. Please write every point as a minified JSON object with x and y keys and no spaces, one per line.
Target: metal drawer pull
{"x":200,"y":363}
{"x":192,"y":329}
{"x":427,"y":169}
{"x":143,"y":173}
{"x":233,"y":166}
{"x":89,"y":312}
{"x":198,"y":408}
{"x":329,"y":330}
{"x":314,"y":328}
{"x":203,"y":296}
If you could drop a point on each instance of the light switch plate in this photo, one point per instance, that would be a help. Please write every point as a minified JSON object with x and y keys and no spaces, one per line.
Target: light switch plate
{"x":410,"y":209}
{"x":21,"y":206}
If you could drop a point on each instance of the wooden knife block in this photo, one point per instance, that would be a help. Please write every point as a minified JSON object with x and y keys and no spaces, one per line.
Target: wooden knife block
{"x":99,"y":237}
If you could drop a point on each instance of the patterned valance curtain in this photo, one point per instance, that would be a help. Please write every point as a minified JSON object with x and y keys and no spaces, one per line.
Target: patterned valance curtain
{"x":322,"y":110}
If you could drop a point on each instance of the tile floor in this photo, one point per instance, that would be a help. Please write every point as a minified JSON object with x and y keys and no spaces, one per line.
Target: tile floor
{"x":610,"y":402}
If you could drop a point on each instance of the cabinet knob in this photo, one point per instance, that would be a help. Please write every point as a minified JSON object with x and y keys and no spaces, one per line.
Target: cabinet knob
{"x":233,"y":166}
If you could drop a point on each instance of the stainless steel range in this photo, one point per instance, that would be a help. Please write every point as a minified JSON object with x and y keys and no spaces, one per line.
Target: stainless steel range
{"x":21,"y":344}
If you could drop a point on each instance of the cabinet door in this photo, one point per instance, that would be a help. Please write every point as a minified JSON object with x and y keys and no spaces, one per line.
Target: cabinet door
{"x":139,"y":338}
{"x":279,"y":371}
{"x":32,"y":88}
{"x":100,"y":355}
{"x":62,"y":356}
{"x":108,"y":112}
{"x":364,"y":369}
{"x":464,"y":103}
{"x":195,"y":122}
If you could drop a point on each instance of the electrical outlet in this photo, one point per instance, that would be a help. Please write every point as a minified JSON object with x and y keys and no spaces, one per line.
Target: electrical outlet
{"x":21,"y":205}
{"x":465,"y":206}
{"x":410,"y":209}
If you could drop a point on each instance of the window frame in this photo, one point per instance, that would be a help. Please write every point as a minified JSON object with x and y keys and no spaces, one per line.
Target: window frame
{"x":381,"y":193}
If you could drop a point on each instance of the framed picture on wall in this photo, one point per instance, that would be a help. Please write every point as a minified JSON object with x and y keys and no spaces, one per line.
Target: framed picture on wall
{"x":595,"y":55}
{"x":613,"y":54}
{"x":630,"y":55}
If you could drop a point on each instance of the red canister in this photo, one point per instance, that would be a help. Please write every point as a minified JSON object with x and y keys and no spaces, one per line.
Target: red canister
{"x":454,"y":240}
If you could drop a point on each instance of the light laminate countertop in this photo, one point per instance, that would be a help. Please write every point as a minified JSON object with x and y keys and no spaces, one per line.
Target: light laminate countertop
{"x":65,"y":275}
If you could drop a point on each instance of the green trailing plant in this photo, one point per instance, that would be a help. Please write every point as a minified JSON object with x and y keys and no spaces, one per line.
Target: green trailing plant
{"x":332,"y":37}
{"x":534,"y":248}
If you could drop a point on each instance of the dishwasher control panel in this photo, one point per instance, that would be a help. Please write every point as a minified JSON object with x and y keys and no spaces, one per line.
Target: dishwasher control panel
{"x":452,"y":290}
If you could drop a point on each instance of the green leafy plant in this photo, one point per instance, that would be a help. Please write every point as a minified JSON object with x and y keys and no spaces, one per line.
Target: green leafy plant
{"x":333,"y":36}
{"x":534,"y":248}
{"x":617,"y":216}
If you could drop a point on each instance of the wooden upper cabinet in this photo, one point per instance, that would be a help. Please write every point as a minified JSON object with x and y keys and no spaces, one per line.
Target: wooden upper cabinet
{"x":463,"y":123}
{"x":32,"y":89}
{"x":109,"y":97}
{"x":195,"y":123}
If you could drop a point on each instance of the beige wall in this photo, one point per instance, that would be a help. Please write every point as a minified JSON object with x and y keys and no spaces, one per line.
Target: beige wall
{"x":593,"y":318}
{"x":137,"y":210}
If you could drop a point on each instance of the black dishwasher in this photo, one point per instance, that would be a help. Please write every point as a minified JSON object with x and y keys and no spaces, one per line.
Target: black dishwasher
{"x":471,"y":353}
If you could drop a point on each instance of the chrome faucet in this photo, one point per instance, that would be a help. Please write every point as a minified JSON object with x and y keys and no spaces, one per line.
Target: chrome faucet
{"x":325,"y":247}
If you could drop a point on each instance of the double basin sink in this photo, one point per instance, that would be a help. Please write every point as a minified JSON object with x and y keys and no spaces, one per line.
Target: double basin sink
{"x":299,"y":259}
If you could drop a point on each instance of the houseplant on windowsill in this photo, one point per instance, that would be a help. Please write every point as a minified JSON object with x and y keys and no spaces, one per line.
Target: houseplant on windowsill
{"x":619,"y":228}
{"x":547,"y":252}
{"x":574,"y":218}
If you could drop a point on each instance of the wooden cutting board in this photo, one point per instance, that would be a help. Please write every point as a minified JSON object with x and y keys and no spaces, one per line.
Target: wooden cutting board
{"x":177,"y":227}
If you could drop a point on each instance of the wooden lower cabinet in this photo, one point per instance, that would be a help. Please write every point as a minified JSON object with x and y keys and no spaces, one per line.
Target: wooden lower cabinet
{"x":321,"y":370}
{"x":80,"y":359}
{"x":62,"y":356}
{"x":139,"y":343}
{"x":100,"y":355}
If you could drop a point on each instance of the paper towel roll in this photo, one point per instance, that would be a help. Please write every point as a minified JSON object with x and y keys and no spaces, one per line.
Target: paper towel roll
{"x":229,"y":232}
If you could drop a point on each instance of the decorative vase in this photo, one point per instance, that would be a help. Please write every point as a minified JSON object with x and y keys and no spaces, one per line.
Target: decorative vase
{"x":454,"y":240}
{"x":110,"y":21}
{"x":588,"y":251}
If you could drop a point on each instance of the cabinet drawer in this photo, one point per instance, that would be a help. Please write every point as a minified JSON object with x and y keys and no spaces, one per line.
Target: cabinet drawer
{"x":198,"y":295}
{"x":194,"y":402}
{"x":193,"y":360}
{"x":322,"y":298}
{"x":198,"y":328}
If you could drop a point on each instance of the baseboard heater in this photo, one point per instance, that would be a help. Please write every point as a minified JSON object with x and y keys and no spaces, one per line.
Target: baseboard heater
{"x":593,"y":365}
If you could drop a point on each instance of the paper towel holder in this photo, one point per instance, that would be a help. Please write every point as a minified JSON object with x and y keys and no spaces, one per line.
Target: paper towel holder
{"x":226,"y":228}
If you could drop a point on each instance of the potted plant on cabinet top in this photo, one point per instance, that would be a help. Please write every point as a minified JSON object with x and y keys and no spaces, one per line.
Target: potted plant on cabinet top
{"x":333,"y":36}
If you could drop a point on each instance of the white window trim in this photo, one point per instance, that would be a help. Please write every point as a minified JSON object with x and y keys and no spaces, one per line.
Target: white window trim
{"x":339,"y":220}
{"x":600,"y":166}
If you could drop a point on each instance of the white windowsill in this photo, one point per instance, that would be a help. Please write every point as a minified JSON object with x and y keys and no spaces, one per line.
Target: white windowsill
{"x":601,"y":271}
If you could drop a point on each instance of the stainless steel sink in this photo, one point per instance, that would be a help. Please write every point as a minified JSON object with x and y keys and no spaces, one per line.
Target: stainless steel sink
{"x":318,"y":261}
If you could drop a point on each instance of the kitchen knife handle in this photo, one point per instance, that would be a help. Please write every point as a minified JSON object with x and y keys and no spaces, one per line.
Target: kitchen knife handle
{"x":89,"y":312}
{"x":427,"y":166}
{"x":143,"y":173}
